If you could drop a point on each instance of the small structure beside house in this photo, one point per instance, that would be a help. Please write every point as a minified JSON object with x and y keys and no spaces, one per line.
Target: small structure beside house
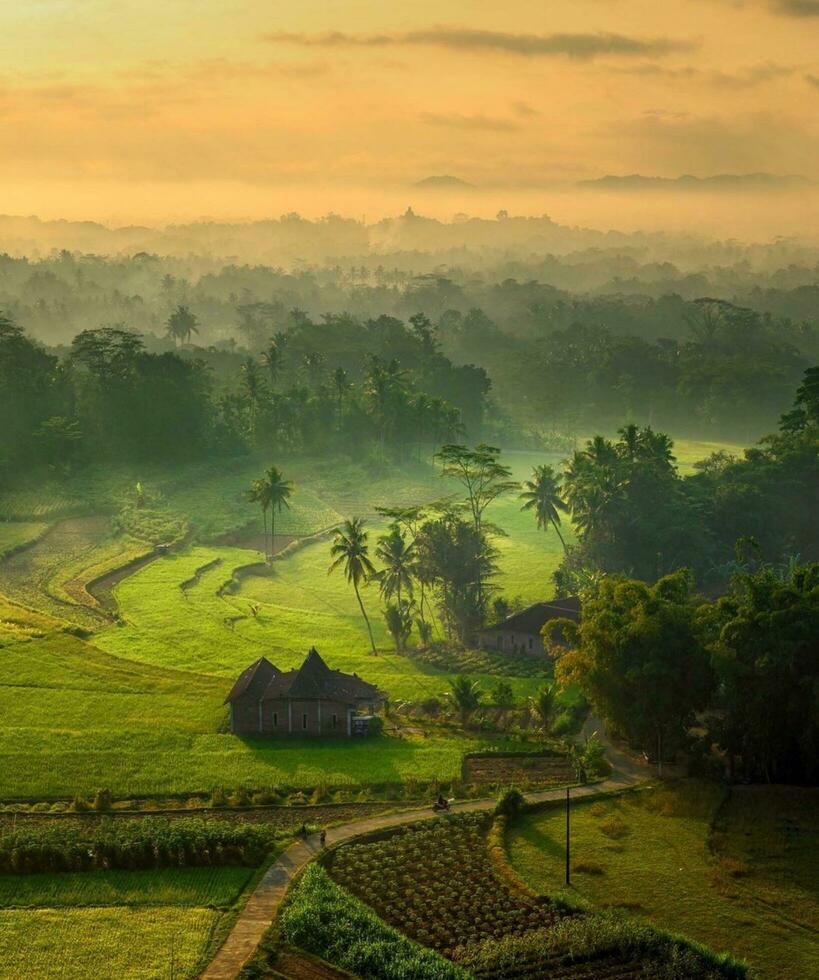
{"x":521,"y":633}
{"x":312,"y":700}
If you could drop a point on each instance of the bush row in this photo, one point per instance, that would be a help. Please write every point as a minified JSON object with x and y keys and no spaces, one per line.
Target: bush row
{"x":326,"y":920}
{"x":151,"y":842}
{"x":599,"y":936}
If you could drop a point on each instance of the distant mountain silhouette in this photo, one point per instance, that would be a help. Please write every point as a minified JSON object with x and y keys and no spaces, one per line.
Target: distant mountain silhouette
{"x":759,"y":181}
{"x":445,"y":182}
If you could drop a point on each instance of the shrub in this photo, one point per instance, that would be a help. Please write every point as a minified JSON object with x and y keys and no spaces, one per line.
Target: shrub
{"x":102,"y":800}
{"x":614,"y":827}
{"x":510,"y":803}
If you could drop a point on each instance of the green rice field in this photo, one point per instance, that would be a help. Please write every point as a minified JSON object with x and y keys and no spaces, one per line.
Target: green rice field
{"x":135,"y":705}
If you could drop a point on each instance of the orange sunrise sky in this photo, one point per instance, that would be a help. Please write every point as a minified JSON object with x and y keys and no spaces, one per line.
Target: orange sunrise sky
{"x":155,"y":110}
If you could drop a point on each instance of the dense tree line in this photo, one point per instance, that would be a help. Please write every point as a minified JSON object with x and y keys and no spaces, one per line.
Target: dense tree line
{"x":651,"y":659}
{"x":570,"y":341}
{"x":635,"y":514}
{"x":109,"y":397}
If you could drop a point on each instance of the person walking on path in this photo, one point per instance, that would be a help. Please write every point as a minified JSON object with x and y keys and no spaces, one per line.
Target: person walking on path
{"x":323,"y":838}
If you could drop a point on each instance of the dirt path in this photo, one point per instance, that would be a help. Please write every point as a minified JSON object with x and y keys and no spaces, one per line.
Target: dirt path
{"x":264,"y":902}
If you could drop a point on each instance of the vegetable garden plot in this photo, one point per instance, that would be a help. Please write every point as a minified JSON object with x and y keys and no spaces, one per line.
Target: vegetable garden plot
{"x":435,"y":884}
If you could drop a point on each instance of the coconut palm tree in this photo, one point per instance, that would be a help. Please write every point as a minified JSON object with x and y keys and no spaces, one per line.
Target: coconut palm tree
{"x":350,"y":551}
{"x":398,"y":558}
{"x":271,"y":492}
{"x":280,"y":491}
{"x":542,"y":495}
{"x":259,"y":493}
{"x":181,"y":324}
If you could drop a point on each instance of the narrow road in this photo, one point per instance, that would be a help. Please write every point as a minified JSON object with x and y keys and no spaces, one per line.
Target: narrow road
{"x":263,"y":904}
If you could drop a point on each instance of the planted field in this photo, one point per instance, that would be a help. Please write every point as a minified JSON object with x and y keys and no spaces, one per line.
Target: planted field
{"x":748,"y":888}
{"x":34,"y":576}
{"x":446,"y":886}
{"x":77,"y":719}
{"x":519,"y":770}
{"x":17,"y":534}
{"x":435,"y":883}
{"x":216,"y":887}
{"x":78,"y":943}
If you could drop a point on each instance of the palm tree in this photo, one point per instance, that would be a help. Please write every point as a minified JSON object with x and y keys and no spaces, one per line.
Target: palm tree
{"x":350,"y":551}
{"x":273,"y":358}
{"x":398,"y":558}
{"x":259,"y":493}
{"x":465,"y":695}
{"x":280,"y":491}
{"x":542,"y":495}
{"x":543,"y":707}
{"x":181,"y":324}
{"x":272,"y":492}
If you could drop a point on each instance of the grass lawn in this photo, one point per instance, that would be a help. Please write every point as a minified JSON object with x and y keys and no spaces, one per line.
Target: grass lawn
{"x":748,"y":887}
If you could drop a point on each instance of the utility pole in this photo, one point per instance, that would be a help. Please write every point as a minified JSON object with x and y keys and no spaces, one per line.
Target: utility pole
{"x":568,"y":838}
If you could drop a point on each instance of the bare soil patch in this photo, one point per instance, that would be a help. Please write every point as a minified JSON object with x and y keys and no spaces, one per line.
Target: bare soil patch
{"x":521,"y":770}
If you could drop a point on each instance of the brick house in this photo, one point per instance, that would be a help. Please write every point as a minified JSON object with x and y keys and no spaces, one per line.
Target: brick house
{"x":312,"y":700}
{"x":522,"y":632}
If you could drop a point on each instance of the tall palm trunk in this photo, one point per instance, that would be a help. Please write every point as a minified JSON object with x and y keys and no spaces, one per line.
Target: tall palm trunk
{"x":264,"y":520}
{"x":366,"y":618}
{"x":272,"y":530}
{"x":562,"y":541}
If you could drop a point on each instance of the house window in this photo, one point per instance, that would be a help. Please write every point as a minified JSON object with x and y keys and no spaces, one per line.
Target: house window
{"x":275,"y":719}
{"x":304,"y":721}
{"x":335,"y":721}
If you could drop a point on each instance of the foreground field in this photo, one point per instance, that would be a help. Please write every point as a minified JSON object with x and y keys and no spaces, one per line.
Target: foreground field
{"x":747,"y":886}
{"x":130,"y":924}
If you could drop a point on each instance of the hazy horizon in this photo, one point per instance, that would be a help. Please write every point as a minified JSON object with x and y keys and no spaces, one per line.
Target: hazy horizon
{"x":155,"y":113}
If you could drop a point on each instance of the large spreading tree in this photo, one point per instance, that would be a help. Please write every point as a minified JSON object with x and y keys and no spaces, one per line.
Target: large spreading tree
{"x":639,"y":656}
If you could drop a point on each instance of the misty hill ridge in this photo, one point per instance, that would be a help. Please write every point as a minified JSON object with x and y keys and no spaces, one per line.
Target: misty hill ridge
{"x":758,"y":181}
{"x":444,"y":182}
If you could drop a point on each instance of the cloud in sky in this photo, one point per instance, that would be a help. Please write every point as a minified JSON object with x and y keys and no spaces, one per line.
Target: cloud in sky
{"x":457,"y":121}
{"x":740,"y":78}
{"x":797,"y":8}
{"x":580,"y":45}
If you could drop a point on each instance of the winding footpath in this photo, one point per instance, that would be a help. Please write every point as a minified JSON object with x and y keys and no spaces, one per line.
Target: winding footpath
{"x":264,"y":902}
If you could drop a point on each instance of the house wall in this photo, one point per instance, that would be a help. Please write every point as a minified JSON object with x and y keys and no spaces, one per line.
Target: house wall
{"x":530,"y":644}
{"x":245,"y":715}
{"x":284,"y":717}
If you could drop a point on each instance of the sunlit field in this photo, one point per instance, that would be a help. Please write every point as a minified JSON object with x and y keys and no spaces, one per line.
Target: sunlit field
{"x":737,"y":873}
{"x":136,"y":706}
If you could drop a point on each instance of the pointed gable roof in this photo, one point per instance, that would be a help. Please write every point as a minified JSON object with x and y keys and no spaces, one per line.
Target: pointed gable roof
{"x":312,"y":677}
{"x":254,"y":679}
{"x":315,"y":680}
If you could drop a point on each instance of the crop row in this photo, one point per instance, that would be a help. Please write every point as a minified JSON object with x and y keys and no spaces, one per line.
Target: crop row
{"x":435,"y":883}
{"x":153,"y":842}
